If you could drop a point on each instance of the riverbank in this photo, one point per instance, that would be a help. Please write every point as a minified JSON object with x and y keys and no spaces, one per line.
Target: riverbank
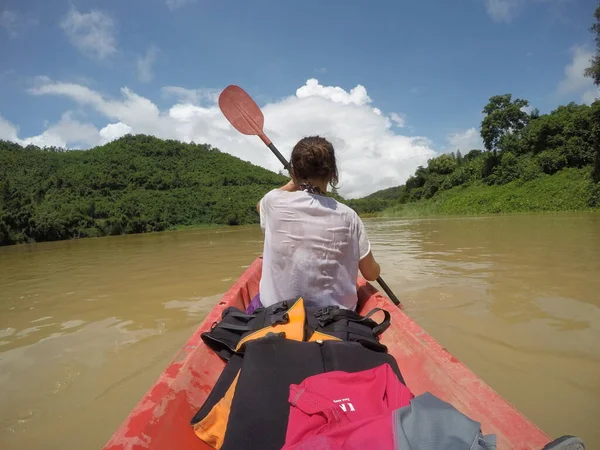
{"x":567,"y":190}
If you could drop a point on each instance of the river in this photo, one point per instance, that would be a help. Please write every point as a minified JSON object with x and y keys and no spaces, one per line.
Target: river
{"x":86,"y":326}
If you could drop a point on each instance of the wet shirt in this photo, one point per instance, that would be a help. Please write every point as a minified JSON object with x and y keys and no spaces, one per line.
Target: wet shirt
{"x":313,"y":245}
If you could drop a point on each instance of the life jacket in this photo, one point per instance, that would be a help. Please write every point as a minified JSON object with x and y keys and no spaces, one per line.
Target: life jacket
{"x":290,"y":320}
{"x":293,"y":320}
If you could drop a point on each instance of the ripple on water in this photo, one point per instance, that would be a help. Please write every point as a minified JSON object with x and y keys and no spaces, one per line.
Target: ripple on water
{"x":41,"y":319}
{"x":71,"y":324}
{"x":6,"y":332}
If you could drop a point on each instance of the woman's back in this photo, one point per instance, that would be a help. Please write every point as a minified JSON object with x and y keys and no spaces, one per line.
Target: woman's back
{"x":313,"y":245}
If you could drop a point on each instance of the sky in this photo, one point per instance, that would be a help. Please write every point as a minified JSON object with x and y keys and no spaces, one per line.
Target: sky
{"x":389,"y":83}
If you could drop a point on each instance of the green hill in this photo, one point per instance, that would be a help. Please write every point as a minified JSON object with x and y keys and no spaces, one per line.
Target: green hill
{"x":568,"y":190}
{"x":134,"y":184}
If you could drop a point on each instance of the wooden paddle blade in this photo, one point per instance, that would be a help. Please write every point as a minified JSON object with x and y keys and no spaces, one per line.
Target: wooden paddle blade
{"x":241,"y":111}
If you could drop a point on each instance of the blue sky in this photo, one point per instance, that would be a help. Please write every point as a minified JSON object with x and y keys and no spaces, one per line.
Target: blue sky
{"x":424,"y":70}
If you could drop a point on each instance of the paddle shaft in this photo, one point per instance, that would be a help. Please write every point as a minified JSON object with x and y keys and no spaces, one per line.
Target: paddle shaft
{"x":388,"y":291}
{"x":279,"y":156}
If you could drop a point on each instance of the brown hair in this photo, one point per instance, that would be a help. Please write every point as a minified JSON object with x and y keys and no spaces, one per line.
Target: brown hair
{"x":314,"y":157}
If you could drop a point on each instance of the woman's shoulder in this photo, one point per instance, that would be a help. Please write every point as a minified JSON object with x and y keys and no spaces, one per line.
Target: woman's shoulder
{"x":273,"y":194}
{"x":345,"y":210}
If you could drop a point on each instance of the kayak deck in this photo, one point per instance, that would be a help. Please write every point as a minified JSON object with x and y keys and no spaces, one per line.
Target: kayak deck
{"x":161,"y":420}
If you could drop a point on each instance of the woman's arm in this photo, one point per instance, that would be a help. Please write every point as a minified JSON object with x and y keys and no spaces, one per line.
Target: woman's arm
{"x":369,"y":268}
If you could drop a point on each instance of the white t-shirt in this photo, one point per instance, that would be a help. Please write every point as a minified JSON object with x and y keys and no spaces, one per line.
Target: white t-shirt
{"x":313,"y":245}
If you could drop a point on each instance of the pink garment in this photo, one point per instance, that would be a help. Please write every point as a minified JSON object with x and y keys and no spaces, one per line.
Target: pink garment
{"x":342,"y":410}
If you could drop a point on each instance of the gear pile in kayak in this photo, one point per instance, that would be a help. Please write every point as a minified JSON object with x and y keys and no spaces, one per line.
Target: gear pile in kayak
{"x":299,"y":378}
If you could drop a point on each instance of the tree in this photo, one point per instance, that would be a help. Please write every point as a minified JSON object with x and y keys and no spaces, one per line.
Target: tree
{"x":443,"y":164}
{"x":503,"y":116}
{"x":475,"y":153}
{"x":596,"y":137}
{"x":459,"y":157}
{"x":594,"y":72}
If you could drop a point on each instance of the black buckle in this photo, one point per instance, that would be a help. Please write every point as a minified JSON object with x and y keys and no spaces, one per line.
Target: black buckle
{"x":324,"y":315}
{"x":283,"y":306}
{"x":280,"y":319}
{"x":271,"y":334}
{"x":325,"y":310}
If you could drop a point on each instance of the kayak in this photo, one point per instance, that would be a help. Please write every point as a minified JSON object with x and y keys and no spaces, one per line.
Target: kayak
{"x":161,"y":419}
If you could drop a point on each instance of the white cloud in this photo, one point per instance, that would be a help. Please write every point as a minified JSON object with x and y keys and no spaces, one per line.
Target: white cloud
{"x":8,"y":132}
{"x":465,"y":141}
{"x":114,"y":131}
{"x":507,"y":10}
{"x":312,"y":88}
{"x":131,"y":109}
{"x":175,"y":4}
{"x":502,"y":10}
{"x":527,"y":109}
{"x":397,"y":119}
{"x":574,"y":80}
{"x":590,"y":95}
{"x":145,"y":63}
{"x":8,"y":21}
{"x":93,"y":33}
{"x":371,"y":155}
{"x":14,"y":23}
{"x":68,"y":132}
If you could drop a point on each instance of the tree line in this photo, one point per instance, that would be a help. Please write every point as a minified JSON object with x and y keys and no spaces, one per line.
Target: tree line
{"x":518,"y":146}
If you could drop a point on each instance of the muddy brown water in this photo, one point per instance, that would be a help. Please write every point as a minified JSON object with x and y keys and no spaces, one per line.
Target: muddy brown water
{"x":86,"y":326}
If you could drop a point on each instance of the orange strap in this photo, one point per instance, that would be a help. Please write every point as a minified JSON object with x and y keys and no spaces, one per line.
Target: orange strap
{"x":293,"y":329}
{"x":212,"y":428}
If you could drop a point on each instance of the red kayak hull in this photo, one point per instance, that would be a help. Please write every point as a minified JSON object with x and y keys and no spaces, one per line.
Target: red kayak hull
{"x":161,"y":420}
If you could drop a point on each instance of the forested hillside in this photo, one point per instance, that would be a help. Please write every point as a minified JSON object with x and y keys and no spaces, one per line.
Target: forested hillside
{"x":132,"y":185}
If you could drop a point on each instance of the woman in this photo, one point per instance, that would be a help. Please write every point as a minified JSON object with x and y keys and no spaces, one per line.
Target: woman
{"x":314,"y":245}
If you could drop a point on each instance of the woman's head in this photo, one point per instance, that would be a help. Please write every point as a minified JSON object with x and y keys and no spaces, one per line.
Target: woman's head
{"x":313,"y":158}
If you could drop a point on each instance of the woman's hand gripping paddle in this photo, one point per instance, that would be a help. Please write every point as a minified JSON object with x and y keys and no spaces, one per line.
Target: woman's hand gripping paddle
{"x":246,"y":117}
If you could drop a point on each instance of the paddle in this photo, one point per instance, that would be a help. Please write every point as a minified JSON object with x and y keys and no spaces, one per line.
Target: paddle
{"x":246,"y":117}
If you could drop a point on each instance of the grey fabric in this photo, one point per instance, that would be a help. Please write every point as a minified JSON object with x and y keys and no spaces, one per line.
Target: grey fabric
{"x":566,"y":442}
{"x":431,"y":423}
